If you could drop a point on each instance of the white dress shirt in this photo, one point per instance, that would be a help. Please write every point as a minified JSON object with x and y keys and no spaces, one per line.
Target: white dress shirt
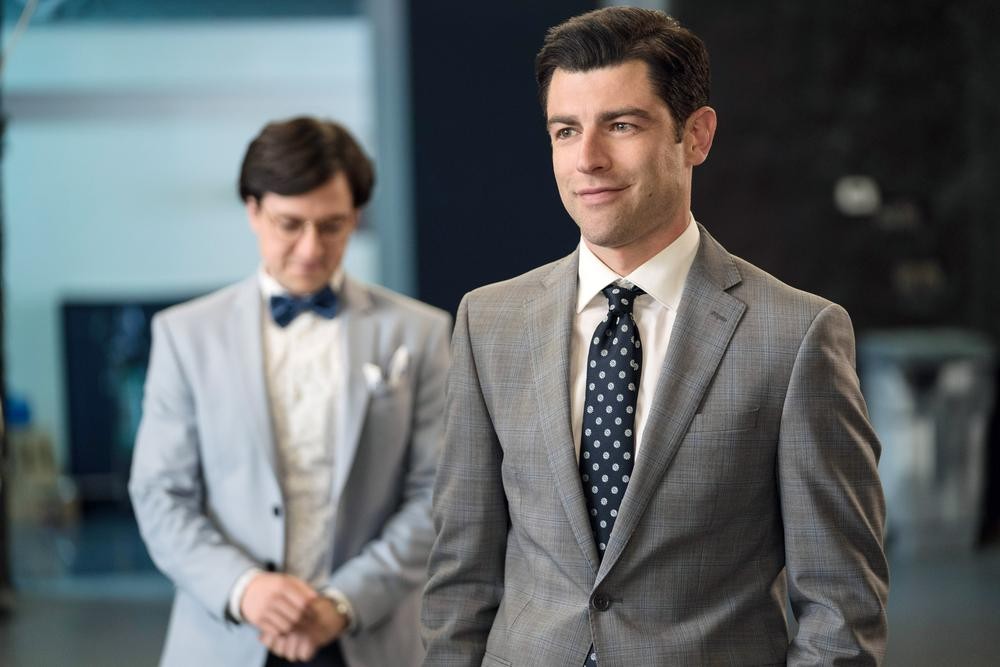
{"x":301,"y":364}
{"x":662,"y":277}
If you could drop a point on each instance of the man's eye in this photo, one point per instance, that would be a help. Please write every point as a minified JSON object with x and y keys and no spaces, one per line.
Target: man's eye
{"x":289,"y":225}
{"x":622,"y":127}
{"x":329,"y":228}
{"x":563,"y":133}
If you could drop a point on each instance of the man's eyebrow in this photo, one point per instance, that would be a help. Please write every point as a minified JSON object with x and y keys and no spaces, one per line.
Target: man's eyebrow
{"x":333,"y":217}
{"x":604,"y":117}
{"x":608,"y":116}
{"x":560,"y":120}
{"x":336,"y":217}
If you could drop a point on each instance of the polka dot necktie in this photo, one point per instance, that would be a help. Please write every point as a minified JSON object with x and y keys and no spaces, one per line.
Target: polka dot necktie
{"x":614,"y":365}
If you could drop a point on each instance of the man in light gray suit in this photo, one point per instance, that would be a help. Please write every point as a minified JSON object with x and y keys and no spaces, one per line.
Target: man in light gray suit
{"x":290,"y":434}
{"x":650,"y":445}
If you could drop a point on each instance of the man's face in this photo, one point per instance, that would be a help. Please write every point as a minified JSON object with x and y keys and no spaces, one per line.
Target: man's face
{"x":302,"y":238}
{"x":622,"y":175}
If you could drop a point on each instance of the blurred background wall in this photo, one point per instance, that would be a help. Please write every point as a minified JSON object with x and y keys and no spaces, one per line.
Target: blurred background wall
{"x":856,"y":156}
{"x":123,"y":147}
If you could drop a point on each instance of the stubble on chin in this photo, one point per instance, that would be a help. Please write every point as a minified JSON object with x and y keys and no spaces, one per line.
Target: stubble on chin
{"x":605,"y":232}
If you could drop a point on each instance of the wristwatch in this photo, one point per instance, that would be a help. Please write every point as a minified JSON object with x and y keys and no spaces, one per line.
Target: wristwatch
{"x":342,"y":606}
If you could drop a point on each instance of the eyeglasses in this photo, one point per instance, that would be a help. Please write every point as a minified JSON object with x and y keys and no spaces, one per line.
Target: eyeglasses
{"x":290,"y":228}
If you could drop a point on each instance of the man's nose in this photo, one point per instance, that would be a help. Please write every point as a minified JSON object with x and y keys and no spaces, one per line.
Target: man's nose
{"x":310,"y":244}
{"x":593,"y":155}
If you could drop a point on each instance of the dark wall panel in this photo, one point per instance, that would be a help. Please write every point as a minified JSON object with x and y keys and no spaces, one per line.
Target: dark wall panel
{"x":902,"y":92}
{"x":486,"y":201}
{"x":810,"y":92}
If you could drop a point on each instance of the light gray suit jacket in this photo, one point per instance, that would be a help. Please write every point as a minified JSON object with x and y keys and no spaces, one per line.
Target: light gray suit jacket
{"x":757,"y":479}
{"x":206,"y":492}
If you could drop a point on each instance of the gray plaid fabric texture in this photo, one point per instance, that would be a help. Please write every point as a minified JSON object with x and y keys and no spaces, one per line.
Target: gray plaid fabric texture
{"x":614,"y":365}
{"x":757,"y":482}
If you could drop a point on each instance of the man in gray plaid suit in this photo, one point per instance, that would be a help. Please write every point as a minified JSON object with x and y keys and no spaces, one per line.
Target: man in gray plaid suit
{"x":652,"y":445}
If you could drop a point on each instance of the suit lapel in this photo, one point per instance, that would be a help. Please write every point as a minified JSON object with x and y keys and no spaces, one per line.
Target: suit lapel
{"x":706,"y":320}
{"x":550,"y":328}
{"x":247,"y":359}
{"x":351,"y":394}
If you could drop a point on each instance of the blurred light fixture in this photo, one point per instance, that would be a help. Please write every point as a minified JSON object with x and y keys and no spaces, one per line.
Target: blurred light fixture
{"x":857,"y":196}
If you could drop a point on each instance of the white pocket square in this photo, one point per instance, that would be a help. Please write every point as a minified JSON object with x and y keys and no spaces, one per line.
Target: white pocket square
{"x":393,"y":377}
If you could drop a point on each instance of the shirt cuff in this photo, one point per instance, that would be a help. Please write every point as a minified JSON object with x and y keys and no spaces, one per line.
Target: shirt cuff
{"x":348,"y":609}
{"x":236,"y":594}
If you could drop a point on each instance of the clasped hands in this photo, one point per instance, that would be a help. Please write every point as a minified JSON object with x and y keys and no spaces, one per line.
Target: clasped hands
{"x":294,"y":620}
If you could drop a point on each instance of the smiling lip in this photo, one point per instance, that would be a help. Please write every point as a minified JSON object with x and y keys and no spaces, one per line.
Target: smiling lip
{"x":599,"y":195}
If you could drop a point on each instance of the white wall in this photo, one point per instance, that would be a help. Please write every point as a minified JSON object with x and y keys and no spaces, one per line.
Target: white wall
{"x":121,"y":159}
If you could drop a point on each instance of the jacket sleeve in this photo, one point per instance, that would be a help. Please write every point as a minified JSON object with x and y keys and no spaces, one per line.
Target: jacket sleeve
{"x":832,"y":504}
{"x":471,"y":518}
{"x":167,"y":489}
{"x":392,"y":565}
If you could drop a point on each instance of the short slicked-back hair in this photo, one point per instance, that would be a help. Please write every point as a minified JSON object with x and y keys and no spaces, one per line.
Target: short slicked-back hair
{"x":295,"y":156}
{"x":676,"y":58}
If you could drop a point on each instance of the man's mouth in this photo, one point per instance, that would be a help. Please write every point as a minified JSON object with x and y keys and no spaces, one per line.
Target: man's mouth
{"x":600,"y":194}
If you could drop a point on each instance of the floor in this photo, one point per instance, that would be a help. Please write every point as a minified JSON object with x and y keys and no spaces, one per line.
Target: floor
{"x":91,"y":585}
{"x":85,"y":627}
{"x":944,"y":610}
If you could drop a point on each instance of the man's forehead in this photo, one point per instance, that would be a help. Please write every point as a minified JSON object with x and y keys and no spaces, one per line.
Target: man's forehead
{"x":602,"y":91}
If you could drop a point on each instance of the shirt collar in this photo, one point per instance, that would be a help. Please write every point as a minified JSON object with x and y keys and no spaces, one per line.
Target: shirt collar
{"x":662,"y":276}
{"x":270,"y":287}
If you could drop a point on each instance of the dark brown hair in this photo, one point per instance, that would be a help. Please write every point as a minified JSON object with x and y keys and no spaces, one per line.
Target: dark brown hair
{"x":295,"y":156}
{"x":676,"y":57}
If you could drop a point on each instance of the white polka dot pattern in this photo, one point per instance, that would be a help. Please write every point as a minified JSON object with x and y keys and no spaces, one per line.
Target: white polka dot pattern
{"x":607,"y":469}
{"x":614,"y":366}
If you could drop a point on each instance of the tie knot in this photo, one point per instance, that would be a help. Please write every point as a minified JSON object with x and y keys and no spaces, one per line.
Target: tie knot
{"x":621,"y":299}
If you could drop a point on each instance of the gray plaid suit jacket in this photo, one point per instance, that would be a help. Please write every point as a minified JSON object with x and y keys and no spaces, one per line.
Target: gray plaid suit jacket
{"x":757,"y":481}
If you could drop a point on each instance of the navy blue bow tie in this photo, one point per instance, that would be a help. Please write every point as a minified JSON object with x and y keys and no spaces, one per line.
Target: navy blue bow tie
{"x":286,"y":308}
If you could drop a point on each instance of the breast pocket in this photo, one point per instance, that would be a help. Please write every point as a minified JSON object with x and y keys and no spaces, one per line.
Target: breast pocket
{"x":490,"y":660}
{"x":388,"y":416}
{"x":722,"y":461}
{"x":734,"y":420}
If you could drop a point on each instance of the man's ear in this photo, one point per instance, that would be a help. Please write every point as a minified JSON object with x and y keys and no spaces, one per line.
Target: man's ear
{"x":699,"y":131}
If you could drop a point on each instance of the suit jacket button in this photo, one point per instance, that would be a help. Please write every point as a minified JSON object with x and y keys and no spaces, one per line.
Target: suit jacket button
{"x":270,"y":566}
{"x":277,"y":510}
{"x":600,"y":601}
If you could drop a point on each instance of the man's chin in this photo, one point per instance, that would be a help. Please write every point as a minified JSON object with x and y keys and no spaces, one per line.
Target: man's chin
{"x":602,"y":228}
{"x":303,"y":286}
{"x":604,"y":237}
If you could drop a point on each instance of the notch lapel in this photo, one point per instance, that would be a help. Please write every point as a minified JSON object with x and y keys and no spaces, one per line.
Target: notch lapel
{"x":705,"y":323}
{"x":246,"y":350}
{"x":351,"y":393}
{"x":550,"y":329}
